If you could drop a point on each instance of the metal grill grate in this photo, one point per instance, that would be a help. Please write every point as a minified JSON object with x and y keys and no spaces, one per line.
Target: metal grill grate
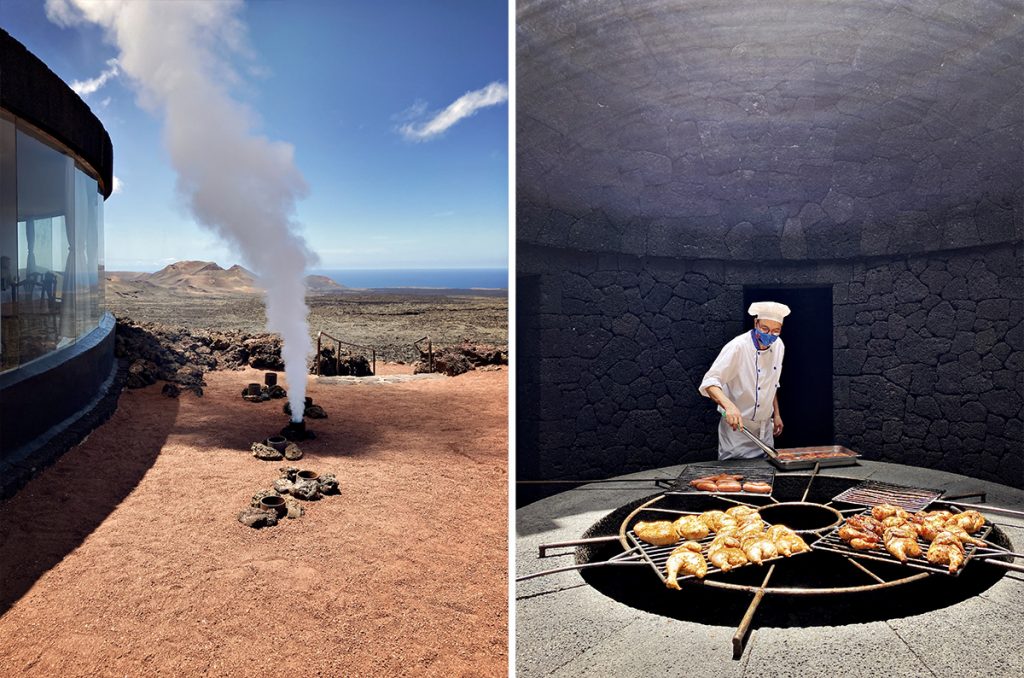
{"x":832,"y":542}
{"x":873,"y":493}
{"x":657,"y":556}
{"x":759,"y":474}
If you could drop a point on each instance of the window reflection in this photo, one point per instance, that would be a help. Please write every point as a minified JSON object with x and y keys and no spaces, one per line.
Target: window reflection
{"x":51,"y":222}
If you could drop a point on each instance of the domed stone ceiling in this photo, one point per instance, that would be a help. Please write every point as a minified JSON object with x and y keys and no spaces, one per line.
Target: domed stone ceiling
{"x":759,"y":129}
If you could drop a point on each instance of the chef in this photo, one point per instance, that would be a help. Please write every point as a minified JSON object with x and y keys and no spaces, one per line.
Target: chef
{"x":743,"y":381}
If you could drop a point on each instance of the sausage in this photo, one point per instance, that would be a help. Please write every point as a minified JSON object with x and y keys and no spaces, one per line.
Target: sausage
{"x":705,"y":485}
{"x":725,"y":476}
{"x":757,"y":487}
{"x":729,"y":486}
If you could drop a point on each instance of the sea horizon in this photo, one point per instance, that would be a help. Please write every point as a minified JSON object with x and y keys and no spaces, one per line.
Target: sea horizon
{"x":419,"y":278}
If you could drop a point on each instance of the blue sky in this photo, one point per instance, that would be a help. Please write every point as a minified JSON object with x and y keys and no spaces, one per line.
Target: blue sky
{"x":350,"y":85}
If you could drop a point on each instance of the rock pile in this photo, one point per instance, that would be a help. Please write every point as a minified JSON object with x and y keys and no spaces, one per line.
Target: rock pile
{"x":291,"y":487}
{"x":269,"y":452}
{"x":311,"y":411}
{"x":343,"y":365}
{"x":455,"y":360}
{"x":181,"y":356}
{"x":290,"y":482}
{"x":254,"y":393}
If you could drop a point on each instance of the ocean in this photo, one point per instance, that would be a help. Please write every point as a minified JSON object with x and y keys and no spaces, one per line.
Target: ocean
{"x":425,"y":278}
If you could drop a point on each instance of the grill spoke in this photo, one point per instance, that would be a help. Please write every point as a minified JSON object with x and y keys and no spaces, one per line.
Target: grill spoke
{"x":739,"y":639}
{"x":864,"y":569}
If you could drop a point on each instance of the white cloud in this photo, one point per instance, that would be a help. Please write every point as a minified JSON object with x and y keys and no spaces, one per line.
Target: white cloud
{"x":61,"y":13}
{"x":86,"y":87}
{"x":118,"y":185}
{"x":463,"y":107}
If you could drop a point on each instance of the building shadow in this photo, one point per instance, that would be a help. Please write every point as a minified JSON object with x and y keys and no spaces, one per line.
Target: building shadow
{"x":58,"y":509}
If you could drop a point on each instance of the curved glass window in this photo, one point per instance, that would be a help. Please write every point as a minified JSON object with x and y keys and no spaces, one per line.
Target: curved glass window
{"x":51,"y":248}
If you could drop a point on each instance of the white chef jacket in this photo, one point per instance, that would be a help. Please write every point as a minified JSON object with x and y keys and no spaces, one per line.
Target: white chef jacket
{"x":749,"y":378}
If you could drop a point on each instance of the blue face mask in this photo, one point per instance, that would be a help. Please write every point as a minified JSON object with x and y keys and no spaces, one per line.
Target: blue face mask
{"x":765,"y":338}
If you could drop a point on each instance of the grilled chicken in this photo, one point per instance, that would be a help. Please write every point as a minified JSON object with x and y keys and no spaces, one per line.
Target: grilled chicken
{"x":930,"y":527}
{"x":946,"y":549}
{"x":658,"y":533}
{"x":971,"y":521}
{"x":740,"y":512}
{"x":786,"y":541}
{"x":751,"y":525}
{"x":961,"y":534}
{"x":862,"y":540}
{"x":690,"y":527}
{"x":685,"y":558}
{"x":716,"y":520}
{"x":729,"y":531}
{"x":758,"y":547}
{"x":865,"y":524}
{"x":901,"y":541}
{"x":725,"y":553}
{"x":883,"y":511}
{"x":893,"y":521}
{"x":928,"y":515}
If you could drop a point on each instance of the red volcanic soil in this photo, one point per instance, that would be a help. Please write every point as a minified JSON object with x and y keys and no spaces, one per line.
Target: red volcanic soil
{"x":125,"y":558}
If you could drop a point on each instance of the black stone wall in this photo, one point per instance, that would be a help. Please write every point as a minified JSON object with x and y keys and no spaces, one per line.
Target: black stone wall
{"x":928,"y":354}
{"x":669,"y":154}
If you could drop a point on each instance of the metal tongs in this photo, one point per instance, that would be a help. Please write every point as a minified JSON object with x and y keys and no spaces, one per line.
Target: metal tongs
{"x":757,"y":441}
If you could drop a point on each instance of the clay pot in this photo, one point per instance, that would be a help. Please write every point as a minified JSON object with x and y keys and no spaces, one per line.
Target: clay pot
{"x":278,"y":443}
{"x":275,"y":504}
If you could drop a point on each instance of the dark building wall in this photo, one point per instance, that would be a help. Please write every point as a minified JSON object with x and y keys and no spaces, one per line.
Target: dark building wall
{"x":928,"y":353}
{"x":50,"y":393}
{"x":31,"y":91}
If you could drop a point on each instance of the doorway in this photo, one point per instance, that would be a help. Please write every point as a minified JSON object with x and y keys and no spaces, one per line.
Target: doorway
{"x":805,"y":393}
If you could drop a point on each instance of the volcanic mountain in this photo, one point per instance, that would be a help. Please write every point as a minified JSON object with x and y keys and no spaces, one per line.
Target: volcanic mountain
{"x":204,"y":277}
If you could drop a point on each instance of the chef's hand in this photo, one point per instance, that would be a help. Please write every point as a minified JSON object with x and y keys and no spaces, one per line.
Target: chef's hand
{"x":777,"y":428}
{"x":733,"y":417}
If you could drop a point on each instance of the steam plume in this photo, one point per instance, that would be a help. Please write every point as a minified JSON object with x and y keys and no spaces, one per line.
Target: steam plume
{"x":240,"y":185}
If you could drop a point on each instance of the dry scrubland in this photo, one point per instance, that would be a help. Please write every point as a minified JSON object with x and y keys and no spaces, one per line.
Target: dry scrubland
{"x":125,"y":557}
{"x":389,"y":322}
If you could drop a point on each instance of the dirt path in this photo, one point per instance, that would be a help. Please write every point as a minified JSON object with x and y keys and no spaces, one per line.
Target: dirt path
{"x":125,"y":557}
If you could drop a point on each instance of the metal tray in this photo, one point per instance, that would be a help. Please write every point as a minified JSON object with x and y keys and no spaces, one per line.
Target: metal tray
{"x":838,"y":456}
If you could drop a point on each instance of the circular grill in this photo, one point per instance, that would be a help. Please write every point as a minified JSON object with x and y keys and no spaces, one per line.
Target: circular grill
{"x":808,"y":589}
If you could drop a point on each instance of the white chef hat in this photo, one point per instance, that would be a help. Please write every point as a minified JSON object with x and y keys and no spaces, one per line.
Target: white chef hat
{"x":769,"y":310}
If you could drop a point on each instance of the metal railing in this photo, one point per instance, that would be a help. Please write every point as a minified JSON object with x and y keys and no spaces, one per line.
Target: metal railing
{"x":337,"y":352}
{"x":430,"y":350}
